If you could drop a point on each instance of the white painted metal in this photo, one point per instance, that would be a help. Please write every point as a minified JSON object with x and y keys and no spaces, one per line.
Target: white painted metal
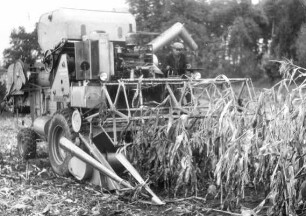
{"x":72,"y":24}
{"x":85,"y":96}
{"x":76,"y":121}
{"x":40,"y":125}
{"x":76,"y":151}
{"x":79,"y":169}
{"x":60,"y":89}
{"x":177,"y":30}
{"x":137,"y":176}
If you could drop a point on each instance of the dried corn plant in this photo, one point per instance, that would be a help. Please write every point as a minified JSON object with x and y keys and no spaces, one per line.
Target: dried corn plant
{"x":261,"y":145}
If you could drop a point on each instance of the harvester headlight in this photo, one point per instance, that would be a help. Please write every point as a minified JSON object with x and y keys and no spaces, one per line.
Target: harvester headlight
{"x":103,"y":76}
{"x":196,"y":75}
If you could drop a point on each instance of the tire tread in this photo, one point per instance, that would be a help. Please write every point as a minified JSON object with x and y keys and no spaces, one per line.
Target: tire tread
{"x":26,"y":139}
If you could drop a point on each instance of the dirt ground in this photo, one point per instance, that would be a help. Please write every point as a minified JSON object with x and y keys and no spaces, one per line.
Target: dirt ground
{"x":31,"y":188}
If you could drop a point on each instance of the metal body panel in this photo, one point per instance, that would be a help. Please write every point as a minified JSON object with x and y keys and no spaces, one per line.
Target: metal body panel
{"x":43,"y":79}
{"x":60,"y":87}
{"x":87,"y":60}
{"x":106,"y":55}
{"x":86,"y":96}
{"x":36,"y":103}
{"x":79,"y":169}
{"x":52,"y":107}
{"x":73,"y":24}
{"x":93,"y":57}
{"x":41,"y":125}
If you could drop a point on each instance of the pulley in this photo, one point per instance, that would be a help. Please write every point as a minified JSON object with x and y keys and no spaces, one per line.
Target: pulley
{"x":48,"y":60}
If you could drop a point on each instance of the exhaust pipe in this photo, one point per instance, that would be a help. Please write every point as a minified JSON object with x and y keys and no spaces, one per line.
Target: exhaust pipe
{"x":166,"y":37}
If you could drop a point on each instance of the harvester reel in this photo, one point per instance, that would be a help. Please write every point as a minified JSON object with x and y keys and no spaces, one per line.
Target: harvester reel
{"x":19,"y":75}
{"x":26,"y":143}
{"x":16,"y":76}
{"x":60,"y":125}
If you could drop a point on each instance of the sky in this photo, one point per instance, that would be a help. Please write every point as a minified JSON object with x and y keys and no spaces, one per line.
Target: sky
{"x":15,"y":13}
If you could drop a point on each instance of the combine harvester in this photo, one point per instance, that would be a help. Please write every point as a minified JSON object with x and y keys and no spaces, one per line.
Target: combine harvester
{"x":100,"y":77}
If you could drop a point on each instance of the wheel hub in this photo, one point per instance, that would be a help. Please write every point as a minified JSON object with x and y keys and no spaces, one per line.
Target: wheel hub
{"x":76,"y":121}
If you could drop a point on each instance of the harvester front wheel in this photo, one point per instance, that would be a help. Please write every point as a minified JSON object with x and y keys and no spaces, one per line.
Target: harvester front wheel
{"x":26,"y":143}
{"x":60,"y":125}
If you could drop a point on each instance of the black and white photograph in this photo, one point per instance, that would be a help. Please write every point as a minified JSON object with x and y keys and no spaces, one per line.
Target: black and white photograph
{"x":153,"y":107}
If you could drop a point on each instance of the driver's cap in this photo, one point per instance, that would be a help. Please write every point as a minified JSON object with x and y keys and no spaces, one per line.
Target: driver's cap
{"x":177,"y":45}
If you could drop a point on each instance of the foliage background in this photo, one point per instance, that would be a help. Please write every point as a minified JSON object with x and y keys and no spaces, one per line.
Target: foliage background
{"x":235,"y":38}
{"x":24,"y":46}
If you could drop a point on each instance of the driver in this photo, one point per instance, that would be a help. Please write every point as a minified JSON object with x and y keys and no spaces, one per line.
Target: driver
{"x":176,"y":61}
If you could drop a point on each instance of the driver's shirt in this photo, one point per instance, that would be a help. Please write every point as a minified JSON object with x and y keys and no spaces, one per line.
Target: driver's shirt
{"x":177,"y":63}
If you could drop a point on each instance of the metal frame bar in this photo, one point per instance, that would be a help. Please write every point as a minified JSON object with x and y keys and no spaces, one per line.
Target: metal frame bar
{"x":137,"y":111}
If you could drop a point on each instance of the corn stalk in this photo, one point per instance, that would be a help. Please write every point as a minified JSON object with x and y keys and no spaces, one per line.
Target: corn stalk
{"x":260,"y":144}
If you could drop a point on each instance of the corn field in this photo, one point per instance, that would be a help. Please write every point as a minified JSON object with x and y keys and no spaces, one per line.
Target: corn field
{"x":258,"y":145}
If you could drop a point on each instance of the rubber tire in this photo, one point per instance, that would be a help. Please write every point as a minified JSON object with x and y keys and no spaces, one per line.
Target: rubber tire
{"x":26,"y":143}
{"x":60,"y":125}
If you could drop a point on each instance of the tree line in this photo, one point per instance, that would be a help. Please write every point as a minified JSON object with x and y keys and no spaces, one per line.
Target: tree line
{"x":235,"y":37}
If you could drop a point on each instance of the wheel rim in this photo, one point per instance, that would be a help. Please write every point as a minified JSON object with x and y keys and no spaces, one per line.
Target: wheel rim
{"x":58,"y":152}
